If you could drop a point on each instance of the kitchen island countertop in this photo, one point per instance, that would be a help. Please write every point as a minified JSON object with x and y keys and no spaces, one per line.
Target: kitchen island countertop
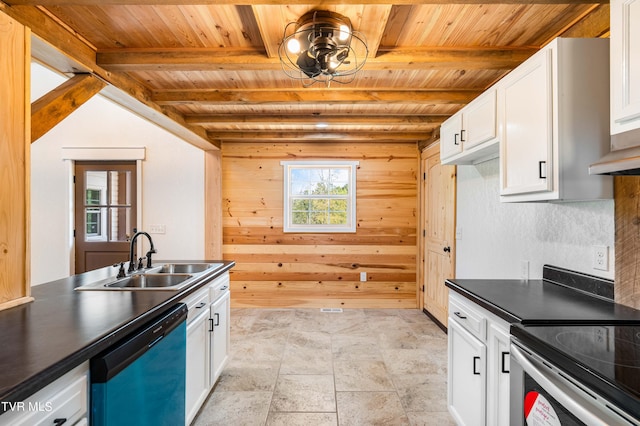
{"x":62,"y":328}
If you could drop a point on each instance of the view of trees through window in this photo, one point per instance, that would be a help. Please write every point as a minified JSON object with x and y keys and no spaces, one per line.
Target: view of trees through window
{"x":319,"y":195}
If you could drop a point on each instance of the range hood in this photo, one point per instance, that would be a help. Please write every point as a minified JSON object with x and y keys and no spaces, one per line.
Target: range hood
{"x":624,"y":158}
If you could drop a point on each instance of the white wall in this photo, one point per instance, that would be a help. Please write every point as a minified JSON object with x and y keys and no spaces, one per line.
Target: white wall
{"x":172,"y":181}
{"x":494,"y":238}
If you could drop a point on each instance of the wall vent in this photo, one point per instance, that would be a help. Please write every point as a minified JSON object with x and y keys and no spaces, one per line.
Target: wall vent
{"x":330,"y":309}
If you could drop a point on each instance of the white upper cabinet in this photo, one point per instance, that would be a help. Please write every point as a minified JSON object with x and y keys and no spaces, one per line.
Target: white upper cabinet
{"x":470,"y":136}
{"x":625,"y":66}
{"x":553,"y":122}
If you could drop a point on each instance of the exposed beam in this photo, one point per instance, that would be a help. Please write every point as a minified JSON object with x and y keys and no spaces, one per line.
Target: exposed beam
{"x":318,"y":136}
{"x":59,"y":41}
{"x":58,"y":104}
{"x":335,"y":96}
{"x":308,"y":119}
{"x":280,"y":2}
{"x":214,"y":59}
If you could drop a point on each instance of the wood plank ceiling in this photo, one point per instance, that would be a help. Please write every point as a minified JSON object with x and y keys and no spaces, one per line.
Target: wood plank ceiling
{"x":212,"y":68}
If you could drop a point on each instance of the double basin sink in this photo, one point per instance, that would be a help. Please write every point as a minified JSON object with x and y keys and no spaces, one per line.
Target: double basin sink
{"x":169,"y":276}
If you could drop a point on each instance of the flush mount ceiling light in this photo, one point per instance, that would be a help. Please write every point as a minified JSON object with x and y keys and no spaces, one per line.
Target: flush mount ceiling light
{"x":322,"y":47}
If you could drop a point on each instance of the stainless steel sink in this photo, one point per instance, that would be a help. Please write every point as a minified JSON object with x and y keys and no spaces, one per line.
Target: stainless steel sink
{"x":150,"y":281}
{"x":168,"y":276}
{"x":186,"y":268}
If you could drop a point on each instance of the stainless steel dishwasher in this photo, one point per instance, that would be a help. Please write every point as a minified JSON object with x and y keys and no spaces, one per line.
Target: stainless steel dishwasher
{"x":141,"y":379}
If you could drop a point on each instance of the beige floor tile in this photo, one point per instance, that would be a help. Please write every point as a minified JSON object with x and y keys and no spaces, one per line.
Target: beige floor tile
{"x":370,"y":408}
{"x":302,"y":419}
{"x":248,"y":376}
{"x":420,"y":392}
{"x":430,"y":419}
{"x":303,"y":367}
{"x":305,"y":393}
{"x":235,"y":408}
{"x":361,"y":375}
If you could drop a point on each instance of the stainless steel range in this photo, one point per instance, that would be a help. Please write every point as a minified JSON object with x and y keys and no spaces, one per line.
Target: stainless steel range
{"x":575,"y":374}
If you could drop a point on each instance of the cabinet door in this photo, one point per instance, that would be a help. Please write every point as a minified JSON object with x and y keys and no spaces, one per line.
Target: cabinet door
{"x":526,"y":153}
{"x":466,"y":377}
{"x":625,"y":65}
{"x":197,"y":381}
{"x":498,"y":375}
{"x":219,"y":335}
{"x":479,"y":120}
{"x":450,"y":140}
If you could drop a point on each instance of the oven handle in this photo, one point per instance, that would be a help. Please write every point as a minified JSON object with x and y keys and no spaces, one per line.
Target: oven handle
{"x":550,"y":385}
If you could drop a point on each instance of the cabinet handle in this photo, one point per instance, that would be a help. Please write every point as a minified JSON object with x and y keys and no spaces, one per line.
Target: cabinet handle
{"x":504,"y":370}
{"x":210,"y":324}
{"x":462,"y":135}
{"x":58,"y":422}
{"x":201,"y":305}
{"x":224,"y":288}
{"x":459,"y":315}
{"x":455,"y":139}
{"x":475,"y":359}
{"x":217,"y":322}
{"x":540,"y":164}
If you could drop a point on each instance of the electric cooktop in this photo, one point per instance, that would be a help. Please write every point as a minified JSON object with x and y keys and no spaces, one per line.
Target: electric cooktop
{"x":605,"y":358}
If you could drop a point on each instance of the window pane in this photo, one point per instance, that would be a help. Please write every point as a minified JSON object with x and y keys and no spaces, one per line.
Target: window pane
{"x":318,"y":218}
{"x":338,"y":205}
{"x":300,"y":218}
{"x":95,"y":188}
{"x":120,"y":223}
{"x":120,"y":188}
{"x":95,"y":223}
{"x":338,"y":218}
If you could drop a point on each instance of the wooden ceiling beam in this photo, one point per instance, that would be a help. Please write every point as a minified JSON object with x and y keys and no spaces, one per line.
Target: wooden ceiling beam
{"x":470,"y":58}
{"x":279,"y":2}
{"x":327,"y":96}
{"x":319,"y":136}
{"x":311,"y":119}
{"x":58,"y":104}
{"x":59,"y":41}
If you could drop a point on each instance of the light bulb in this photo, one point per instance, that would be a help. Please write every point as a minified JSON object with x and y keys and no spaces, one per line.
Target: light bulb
{"x":293,"y":46}
{"x":344,"y":32}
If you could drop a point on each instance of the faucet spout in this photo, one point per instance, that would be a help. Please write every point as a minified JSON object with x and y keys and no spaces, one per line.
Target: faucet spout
{"x":132,"y":258}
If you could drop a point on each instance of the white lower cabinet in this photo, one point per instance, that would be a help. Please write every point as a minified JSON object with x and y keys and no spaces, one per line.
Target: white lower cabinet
{"x":64,"y":401}
{"x":220,"y":335}
{"x":478,"y":373}
{"x":197,"y":369}
{"x":207,"y":341}
{"x":467,"y":379}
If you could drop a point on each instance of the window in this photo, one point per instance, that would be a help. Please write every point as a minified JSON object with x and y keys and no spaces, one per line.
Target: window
{"x":319,"y":196}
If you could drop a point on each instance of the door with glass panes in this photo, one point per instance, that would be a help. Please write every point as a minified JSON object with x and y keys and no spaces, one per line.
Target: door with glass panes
{"x":105,"y":212}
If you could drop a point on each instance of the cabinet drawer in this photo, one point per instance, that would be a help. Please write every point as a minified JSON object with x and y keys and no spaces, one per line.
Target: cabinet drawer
{"x":469,"y":318}
{"x":219,"y":286}
{"x":197,"y":303}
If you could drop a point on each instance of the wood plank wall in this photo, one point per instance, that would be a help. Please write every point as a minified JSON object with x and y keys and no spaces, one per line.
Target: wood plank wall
{"x":627,"y":250}
{"x":276,"y":269}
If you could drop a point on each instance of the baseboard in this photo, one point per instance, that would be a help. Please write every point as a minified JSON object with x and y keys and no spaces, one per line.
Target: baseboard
{"x":432,"y":318}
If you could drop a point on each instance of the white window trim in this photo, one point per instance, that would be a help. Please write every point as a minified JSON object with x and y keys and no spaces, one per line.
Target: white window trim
{"x":349,"y":227}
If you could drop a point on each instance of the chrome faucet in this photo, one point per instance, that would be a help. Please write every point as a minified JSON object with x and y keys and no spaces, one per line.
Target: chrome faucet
{"x":132,"y":259}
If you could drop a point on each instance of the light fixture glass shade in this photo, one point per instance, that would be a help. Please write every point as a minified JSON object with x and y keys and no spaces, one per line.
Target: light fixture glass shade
{"x":322,"y":47}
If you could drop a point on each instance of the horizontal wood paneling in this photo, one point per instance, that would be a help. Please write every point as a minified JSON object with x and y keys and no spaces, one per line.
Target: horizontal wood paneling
{"x":276,"y":269}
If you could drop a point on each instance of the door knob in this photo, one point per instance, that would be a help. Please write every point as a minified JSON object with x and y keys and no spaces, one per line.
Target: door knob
{"x":447,"y":249}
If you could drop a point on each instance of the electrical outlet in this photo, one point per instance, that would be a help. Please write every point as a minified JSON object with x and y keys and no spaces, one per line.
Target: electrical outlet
{"x":601,"y":258}
{"x":524,"y":270}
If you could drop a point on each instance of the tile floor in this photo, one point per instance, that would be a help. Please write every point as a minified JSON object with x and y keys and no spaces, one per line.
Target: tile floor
{"x":306,"y":367}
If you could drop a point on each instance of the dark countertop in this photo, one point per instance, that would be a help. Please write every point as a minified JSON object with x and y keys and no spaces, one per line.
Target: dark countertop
{"x":540,"y":302}
{"x":62,"y":328}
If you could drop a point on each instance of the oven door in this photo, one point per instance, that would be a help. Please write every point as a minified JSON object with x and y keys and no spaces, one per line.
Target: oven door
{"x":540,"y":395}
